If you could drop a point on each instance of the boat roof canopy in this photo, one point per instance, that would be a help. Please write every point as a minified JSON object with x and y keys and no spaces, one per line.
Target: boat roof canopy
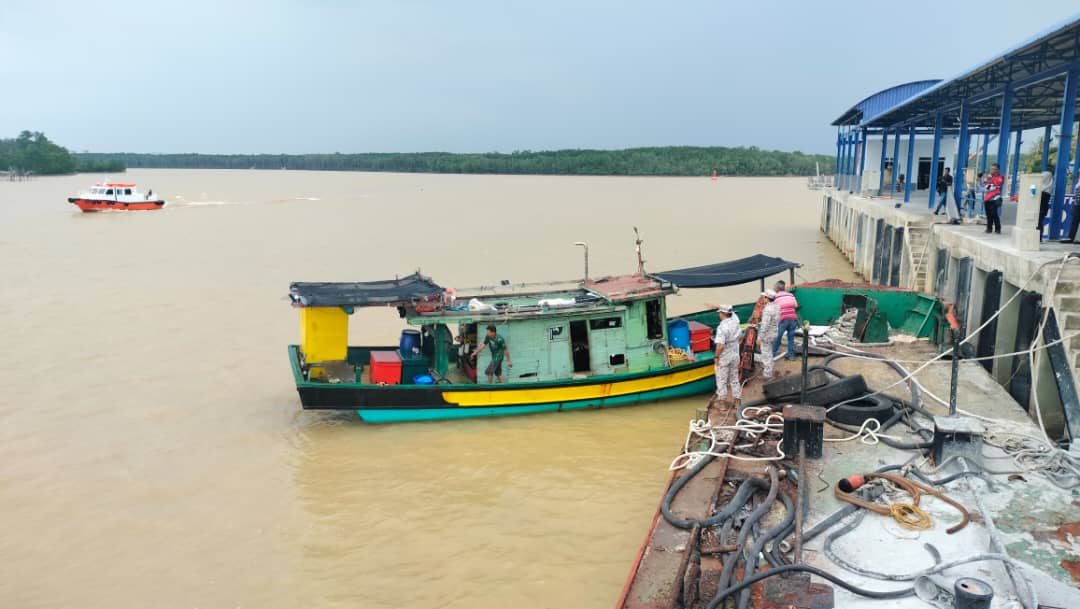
{"x":363,"y":293}
{"x":732,"y":272}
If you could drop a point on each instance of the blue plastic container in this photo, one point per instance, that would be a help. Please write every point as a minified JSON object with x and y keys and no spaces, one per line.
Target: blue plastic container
{"x":679,"y":334}
{"x":423,"y":379}
{"x":410,"y":339}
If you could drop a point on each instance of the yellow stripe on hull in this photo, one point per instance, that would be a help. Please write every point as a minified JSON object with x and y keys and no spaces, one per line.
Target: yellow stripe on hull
{"x":585,"y":391}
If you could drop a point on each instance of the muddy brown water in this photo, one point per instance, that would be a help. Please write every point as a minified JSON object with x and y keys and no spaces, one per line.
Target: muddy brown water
{"x":152,"y":448}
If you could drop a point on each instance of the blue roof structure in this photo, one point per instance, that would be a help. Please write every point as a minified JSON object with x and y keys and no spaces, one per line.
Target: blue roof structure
{"x":1033,"y":84}
{"x":1033,"y":67}
{"x":883,"y":101}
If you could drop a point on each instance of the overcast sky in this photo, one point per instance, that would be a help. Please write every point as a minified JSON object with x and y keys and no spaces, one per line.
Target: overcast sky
{"x":300,"y":76}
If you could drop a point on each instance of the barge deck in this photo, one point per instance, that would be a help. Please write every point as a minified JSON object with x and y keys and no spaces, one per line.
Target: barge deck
{"x":1035,"y":521}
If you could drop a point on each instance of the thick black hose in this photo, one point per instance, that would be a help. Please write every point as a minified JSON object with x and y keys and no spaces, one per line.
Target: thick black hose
{"x":757,"y":514}
{"x":742,"y":495}
{"x":759,"y":544}
{"x":750,"y":581}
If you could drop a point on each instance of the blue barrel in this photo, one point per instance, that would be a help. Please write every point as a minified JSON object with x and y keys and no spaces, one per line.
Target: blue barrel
{"x":679,"y":334}
{"x":410,"y":339}
{"x":423,"y":379}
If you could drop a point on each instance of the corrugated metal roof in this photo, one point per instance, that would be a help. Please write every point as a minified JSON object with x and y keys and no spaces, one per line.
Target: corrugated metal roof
{"x":1056,"y":46}
{"x":882,"y":101}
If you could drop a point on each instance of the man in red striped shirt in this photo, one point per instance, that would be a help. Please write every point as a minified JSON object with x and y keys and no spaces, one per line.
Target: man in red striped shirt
{"x":788,"y":319}
{"x":992,"y":199}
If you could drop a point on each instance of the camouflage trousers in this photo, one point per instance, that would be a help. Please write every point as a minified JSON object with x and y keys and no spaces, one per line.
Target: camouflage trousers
{"x":767,"y":355}
{"x":727,"y":374}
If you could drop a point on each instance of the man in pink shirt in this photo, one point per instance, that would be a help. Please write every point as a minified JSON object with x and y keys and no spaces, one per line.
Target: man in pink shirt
{"x":789,"y":319}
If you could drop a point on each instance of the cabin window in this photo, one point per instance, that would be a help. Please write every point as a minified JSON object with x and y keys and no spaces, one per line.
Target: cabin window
{"x":557,"y":333}
{"x":617,"y":359}
{"x":605,"y":323}
{"x":108,"y":192}
{"x":127,"y":191}
{"x":654,"y":325}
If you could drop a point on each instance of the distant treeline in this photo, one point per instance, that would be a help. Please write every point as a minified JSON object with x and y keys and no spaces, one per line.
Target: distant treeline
{"x":33,"y":153}
{"x":661,"y":161}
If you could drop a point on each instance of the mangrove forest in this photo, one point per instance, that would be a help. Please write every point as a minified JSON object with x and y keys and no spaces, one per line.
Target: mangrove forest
{"x":659,"y":161}
{"x":31,"y":153}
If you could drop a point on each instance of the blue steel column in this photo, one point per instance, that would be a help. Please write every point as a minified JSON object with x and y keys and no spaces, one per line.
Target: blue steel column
{"x":851,"y":153}
{"x":1005,"y":129}
{"x":838,"y":151}
{"x":881,"y":174}
{"x":846,"y":167}
{"x":1016,"y":164}
{"x":862,"y":157}
{"x":985,"y":150}
{"x":934,"y":158}
{"x":1065,"y":137}
{"x":910,"y":158}
{"x":963,"y":144}
{"x":844,"y":162}
{"x":895,"y":160}
{"x":849,"y":148}
{"x":1046,"y":147}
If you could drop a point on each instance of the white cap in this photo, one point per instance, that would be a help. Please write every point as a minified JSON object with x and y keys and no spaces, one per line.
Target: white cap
{"x":770,"y":294}
{"x":724,"y":308}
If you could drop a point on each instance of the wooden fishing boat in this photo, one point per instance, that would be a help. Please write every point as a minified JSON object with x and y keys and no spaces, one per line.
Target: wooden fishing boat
{"x":594,"y":343}
{"x":116,"y":196}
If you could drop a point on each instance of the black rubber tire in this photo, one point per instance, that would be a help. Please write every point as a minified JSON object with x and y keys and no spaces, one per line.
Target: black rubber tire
{"x":838,"y":391}
{"x":791,"y":385}
{"x":857,"y":412}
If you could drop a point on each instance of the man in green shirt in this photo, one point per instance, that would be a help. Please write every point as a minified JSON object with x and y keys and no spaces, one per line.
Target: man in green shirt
{"x":498,"y":348}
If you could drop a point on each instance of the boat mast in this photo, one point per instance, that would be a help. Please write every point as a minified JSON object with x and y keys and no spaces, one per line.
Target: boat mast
{"x":637,"y":249}
{"x":586,"y":246}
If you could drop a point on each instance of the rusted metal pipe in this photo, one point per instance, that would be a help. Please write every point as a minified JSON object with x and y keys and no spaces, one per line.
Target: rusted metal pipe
{"x":957,"y":333}
{"x":800,"y":496}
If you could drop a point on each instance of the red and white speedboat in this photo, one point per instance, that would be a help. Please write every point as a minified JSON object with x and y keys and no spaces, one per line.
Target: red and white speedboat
{"x":123,"y":197}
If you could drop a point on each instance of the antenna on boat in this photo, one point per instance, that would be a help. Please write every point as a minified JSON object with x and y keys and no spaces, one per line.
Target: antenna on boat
{"x":586,"y":246}
{"x":637,"y":248}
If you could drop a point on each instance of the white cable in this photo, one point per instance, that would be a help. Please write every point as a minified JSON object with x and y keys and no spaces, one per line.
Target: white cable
{"x":774,"y":423}
{"x":936,"y":360}
{"x":868,"y":433}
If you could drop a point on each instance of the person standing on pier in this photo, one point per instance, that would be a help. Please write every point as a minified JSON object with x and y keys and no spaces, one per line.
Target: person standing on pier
{"x":944,"y":183}
{"x":726,"y":357}
{"x":789,"y":319}
{"x":994,"y":186}
{"x":767,"y":329}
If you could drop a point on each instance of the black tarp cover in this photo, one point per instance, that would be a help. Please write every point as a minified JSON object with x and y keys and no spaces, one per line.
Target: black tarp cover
{"x":362,"y":293}
{"x":733,"y":272}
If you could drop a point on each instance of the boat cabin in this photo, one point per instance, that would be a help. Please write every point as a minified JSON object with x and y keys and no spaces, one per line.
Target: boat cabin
{"x":115,"y":191}
{"x":597,"y":327}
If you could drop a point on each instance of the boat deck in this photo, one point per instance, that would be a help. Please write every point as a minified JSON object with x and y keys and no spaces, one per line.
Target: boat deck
{"x":1039,"y":523}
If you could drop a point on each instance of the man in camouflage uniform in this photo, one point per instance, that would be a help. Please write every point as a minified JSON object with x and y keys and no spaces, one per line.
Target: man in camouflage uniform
{"x":767,"y":331}
{"x":726,"y":357}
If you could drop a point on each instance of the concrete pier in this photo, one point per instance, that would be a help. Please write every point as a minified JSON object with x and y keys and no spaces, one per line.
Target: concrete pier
{"x":906,"y":246}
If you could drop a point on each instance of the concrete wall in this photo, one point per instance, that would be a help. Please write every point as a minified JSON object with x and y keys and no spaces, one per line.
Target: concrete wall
{"x":924,"y":148}
{"x":861,"y":227}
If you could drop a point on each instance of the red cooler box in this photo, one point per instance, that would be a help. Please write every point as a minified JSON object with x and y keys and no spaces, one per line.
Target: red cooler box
{"x":386,"y":367}
{"x":700,"y":337}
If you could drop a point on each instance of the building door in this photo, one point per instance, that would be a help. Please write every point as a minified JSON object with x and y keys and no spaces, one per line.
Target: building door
{"x":924,"y":172}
